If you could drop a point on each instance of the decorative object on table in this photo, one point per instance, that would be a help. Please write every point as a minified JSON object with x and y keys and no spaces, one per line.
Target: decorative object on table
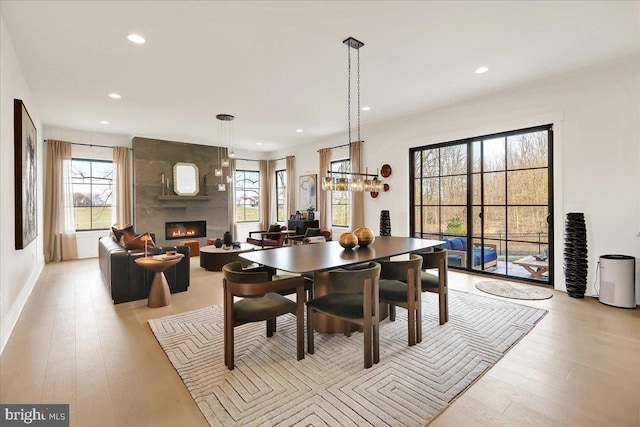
{"x":385,"y":223}
{"x":145,"y":238}
{"x":227,"y":238}
{"x":307,"y":190}
{"x":218,"y":243}
{"x":496,"y":328}
{"x":514,"y":290}
{"x":348,"y":240}
{"x":575,"y":254}
{"x":310,"y":213}
{"x":385,"y":171}
{"x":25,"y":148}
{"x":365,"y":236}
{"x":343,"y":180}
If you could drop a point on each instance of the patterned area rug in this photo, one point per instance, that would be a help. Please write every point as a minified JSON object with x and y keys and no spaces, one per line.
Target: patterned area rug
{"x":514,"y":290}
{"x":409,"y":387}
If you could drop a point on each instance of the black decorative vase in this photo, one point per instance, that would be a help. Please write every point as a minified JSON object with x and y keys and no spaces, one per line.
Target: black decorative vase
{"x":228,"y":238}
{"x":385,"y":223}
{"x":575,"y":255}
{"x":218,"y":243}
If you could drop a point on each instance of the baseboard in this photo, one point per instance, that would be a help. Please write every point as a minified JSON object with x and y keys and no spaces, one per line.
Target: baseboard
{"x":11,"y":319}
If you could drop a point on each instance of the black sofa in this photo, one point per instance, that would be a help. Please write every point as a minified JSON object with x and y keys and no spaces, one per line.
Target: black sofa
{"x":127,"y":281}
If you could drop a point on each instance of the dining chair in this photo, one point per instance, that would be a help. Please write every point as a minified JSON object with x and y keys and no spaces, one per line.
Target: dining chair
{"x":353,"y":298}
{"x":400,"y":286}
{"x":437,"y":284}
{"x":260,"y":301}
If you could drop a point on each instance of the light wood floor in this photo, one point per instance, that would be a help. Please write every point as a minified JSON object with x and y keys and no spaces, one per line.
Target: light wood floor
{"x":579,"y":367}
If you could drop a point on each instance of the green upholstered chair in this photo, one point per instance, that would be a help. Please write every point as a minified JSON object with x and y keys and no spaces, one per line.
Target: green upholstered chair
{"x":260,"y":301}
{"x":400,"y":286}
{"x":437,"y":284}
{"x":354,"y":299}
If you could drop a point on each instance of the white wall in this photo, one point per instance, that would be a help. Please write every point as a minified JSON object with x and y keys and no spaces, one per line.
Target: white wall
{"x":596,"y":116}
{"x":88,"y":240}
{"x":19,"y":269}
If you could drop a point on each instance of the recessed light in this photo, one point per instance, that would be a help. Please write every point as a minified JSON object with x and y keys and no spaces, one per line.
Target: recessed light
{"x":481,"y":70}
{"x":367,"y":108}
{"x":114,"y":95}
{"x":104,"y":122}
{"x":258,"y":143}
{"x":299,"y":130}
{"x":135,"y":38}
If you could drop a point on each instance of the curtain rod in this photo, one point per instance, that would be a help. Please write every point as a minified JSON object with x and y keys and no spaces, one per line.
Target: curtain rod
{"x":257,"y":160}
{"x":340,"y":146}
{"x":92,"y":145}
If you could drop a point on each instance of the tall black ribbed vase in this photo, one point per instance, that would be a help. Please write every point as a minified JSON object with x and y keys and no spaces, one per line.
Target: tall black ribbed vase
{"x":385,"y":223}
{"x":575,"y":254}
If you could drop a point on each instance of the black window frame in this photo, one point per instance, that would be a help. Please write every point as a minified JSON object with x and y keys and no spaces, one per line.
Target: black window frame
{"x":239,"y":207}
{"x":282,"y":205}
{"x":91,"y":184}
{"x":333,"y":168}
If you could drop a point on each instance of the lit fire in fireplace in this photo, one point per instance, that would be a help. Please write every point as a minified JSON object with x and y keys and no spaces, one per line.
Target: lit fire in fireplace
{"x":177,"y":230}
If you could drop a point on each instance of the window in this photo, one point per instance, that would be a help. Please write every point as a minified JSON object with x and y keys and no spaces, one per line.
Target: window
{"x":247,"y":194}
{"x":281,"y":191}
{"x":340,"y":200}
{"x":92,"y":193}
{"x":494,"y":190}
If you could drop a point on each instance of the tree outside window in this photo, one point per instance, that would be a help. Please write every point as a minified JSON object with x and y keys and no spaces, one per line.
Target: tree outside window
{"x":247,"y":194}
{"x":281,"y":191}
{"x":92,"y":193}
{"x":340,"y":200}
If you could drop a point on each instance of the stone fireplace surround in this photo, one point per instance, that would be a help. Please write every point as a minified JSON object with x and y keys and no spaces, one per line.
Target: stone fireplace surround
{"x":152,"y":209}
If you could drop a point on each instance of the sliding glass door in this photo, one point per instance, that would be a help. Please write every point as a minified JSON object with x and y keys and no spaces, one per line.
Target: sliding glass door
{"x":491,"y":199}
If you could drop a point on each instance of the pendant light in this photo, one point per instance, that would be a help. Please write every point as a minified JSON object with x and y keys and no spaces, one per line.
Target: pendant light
{"x":225,"y":138}
{"x":340,"y":181}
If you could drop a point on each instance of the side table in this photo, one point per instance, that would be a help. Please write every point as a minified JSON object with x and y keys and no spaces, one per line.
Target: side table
{"x":159,"y":294}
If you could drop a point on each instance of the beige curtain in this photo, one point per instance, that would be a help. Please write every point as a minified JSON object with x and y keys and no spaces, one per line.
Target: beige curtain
{"x":324,"y":155}
{"x":231,"y":188}
{"x":357,"y":197}
{"x":121,"y":207}
{"x":267,"y":172}
{"x":290,"y":165}
{"x":59,"y":221}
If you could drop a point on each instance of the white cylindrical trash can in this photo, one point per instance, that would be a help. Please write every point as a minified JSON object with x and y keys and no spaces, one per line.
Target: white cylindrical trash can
{"x":617,"y":280}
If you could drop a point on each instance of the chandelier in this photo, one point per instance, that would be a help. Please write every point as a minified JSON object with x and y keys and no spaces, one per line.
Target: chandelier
{"x":352,"y":181}
{"x":225,"y":136}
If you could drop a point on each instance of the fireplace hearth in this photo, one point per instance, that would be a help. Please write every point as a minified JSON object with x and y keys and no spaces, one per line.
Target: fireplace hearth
{"x":185,"y":229}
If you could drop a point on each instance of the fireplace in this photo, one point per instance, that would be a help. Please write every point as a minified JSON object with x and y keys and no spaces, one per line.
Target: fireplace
{"x":185,"y":229}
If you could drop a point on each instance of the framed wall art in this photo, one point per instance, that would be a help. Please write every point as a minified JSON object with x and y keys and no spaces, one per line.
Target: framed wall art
{"x":25,"y":155}
{"x":307,"y":192}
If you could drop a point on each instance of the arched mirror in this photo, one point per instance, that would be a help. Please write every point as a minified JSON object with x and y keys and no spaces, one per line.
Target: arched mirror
{"x":186,"y":180}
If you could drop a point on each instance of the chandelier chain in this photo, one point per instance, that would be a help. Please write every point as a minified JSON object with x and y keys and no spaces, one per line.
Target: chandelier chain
{"x":359,"y":95}
{"x":349,"y":90}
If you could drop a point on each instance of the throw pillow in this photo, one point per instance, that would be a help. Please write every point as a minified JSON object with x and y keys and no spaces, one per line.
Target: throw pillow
{"x":119,"y":232}
{"x":274,"y":228}
{"x":135,"y":243}
{"x":456,"y":244}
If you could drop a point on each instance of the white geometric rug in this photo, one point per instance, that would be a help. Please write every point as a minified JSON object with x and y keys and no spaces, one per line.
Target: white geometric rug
{"x":408,"y":387}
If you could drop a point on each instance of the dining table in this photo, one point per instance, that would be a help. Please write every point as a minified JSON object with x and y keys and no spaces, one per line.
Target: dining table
{"x":320,"y":258}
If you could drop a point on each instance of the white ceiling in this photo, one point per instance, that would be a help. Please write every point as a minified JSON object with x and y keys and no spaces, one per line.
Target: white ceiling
{"x":281,"y":65}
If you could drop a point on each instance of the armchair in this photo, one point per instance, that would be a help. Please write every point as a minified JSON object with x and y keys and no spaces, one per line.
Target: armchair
{"x":311,"y":235}
{"x":273,"y":237}
{"x":457,"y":253}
